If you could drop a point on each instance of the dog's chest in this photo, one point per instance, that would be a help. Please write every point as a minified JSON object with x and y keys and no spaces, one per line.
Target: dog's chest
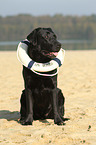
{"x":42,"y":84}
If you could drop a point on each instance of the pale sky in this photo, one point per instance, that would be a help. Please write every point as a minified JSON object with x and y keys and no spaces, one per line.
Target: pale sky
{"x":47,"y":7}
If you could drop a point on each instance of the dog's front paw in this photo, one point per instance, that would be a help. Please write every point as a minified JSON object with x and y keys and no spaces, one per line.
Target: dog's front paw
{"x":24,"y":122}
{"x":27,"y":121}
{"x":59,"y":121}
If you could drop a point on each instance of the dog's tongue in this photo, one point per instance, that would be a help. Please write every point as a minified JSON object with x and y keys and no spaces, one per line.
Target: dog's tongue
{"x":54,"y":53}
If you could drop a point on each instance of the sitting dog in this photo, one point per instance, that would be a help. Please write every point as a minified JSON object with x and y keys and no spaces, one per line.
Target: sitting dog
{"x":41,"y":99}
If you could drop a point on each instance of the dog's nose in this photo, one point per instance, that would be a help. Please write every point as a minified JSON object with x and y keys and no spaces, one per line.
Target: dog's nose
{"x":59,"y":45}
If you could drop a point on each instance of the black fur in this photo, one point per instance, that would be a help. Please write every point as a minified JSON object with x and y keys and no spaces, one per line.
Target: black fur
{"x":41,"y":99}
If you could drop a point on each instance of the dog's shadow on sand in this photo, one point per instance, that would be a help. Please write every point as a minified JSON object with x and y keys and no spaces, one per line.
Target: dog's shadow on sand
{"x":8,"y":115}
{"x":15,"y":115}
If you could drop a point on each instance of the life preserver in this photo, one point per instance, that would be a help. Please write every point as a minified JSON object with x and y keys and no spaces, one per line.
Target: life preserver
{"x":35,"y":66}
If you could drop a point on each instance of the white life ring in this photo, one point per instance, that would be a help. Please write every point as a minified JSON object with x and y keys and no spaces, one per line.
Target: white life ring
{"x":35,"y":66}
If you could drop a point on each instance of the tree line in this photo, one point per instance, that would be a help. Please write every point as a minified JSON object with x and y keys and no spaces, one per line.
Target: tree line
{"x":16,"y":28}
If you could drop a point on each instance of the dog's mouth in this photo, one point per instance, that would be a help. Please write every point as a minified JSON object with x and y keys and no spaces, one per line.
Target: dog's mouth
{"x":49,"y":54}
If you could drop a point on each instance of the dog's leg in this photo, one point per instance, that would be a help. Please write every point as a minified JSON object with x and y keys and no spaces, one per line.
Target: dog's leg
{"x":23,"y":106}
{"x":57,"y":117}
{"x":29,"y":108}
{"x":61,"y":101}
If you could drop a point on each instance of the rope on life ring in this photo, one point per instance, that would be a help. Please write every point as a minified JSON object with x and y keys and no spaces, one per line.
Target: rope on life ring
{"x":36,"y":67}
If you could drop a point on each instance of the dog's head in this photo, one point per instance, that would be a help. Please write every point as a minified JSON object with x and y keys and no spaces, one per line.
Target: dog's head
{"x":43,"y":44}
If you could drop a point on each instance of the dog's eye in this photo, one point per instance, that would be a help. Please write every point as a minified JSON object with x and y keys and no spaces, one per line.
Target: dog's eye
{"x":54,"y":36}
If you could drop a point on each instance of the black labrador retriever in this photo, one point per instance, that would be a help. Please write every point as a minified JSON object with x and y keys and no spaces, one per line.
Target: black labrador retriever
{"x":41,"y":99}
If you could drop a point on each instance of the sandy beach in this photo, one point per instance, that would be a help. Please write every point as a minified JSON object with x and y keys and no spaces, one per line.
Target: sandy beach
{"x":76,"y":78}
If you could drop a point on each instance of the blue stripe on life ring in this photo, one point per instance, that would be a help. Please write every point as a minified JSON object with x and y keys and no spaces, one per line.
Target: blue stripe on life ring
{"x":25,"y":41}
{"x":58,"y":61}
{"x":30,"y":64}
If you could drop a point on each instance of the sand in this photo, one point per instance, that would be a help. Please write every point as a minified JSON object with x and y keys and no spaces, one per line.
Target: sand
{"x":77,"y":79}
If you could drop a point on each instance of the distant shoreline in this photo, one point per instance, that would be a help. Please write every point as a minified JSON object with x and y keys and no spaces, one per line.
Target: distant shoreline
{"x":66,"y":44}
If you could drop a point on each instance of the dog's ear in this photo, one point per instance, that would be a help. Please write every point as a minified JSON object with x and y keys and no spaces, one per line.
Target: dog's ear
{"x":32,"y":37}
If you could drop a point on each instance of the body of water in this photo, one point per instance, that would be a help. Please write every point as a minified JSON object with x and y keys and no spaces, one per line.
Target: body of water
{"x":66,"y":44}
